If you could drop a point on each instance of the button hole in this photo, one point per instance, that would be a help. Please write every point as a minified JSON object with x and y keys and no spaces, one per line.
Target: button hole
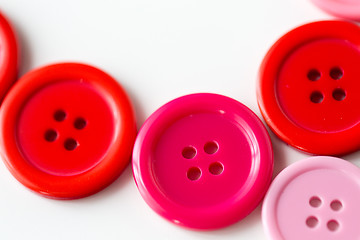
{"x":336,"y":205}
{"x":189,"y":152}
{"x":312,"y":222}
{"x":194,"y":173}
{"x":216,"y":168}
{"x":80,"y":123}
{"x":211,"y":147}
{"x":59,"y":115}
{"x":336,"y":73}
{"x":50,"y":135}
{"x":70,"y":144}
{"x":333,"y":225}
{"x":339,"y":94}
{"x":314,"y":75}
{"x":315,"y":202}
{"x":316,"y":97}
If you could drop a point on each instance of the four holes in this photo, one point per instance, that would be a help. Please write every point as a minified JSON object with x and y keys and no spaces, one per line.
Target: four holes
{"x":215,"y":168}
{"x":335,"y":73}
{"x":332,"y":224}
{"x":51,"y":135}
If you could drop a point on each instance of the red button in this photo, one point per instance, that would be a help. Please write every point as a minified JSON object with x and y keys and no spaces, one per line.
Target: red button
{"x":308,"y":88}
{"x":67,"y":130}
{"x":8,"y":56}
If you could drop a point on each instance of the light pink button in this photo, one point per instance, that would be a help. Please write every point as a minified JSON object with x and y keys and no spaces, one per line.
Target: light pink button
{"x":342,"y":8}
{"x":317,"y":198}
{"x":203,"y":161}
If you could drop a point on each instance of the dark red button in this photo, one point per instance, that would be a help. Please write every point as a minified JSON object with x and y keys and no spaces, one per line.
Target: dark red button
{"x":308,"y":88}
{"x":67,"y":130}
{"x":8,"y":56}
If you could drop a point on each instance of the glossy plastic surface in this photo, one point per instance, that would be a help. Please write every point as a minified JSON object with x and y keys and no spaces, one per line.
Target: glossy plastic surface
{"x":349,"y":9}
{"x":67,"y":130}
{"x":316,"y":198}
{"x":8,"y":56}
{"x":203,"y":161}
{"x":308,"y":87}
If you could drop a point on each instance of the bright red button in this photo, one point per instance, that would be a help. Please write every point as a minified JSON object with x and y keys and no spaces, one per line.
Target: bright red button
{"x":342,"y":8}
{"x":67,"y":130}
{"x":308,"y":87}
{"x":203,"y":161}
{"x":8,"y":57}
{"x":316,"y":198}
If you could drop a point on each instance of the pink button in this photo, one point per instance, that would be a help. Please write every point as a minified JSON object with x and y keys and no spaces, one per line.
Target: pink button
{"x":317,"y":198}
{"x":203,"y":161}
{"x":342,"y":8}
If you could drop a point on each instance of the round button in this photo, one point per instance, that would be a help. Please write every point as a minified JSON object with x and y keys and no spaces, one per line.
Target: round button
{"x":203,"y":161}
{"x":308,"y":87}
{"x":67,"y":130}
{"x":342,"y":8}
{"x":8,"y":57}
{"x":317,"y":198}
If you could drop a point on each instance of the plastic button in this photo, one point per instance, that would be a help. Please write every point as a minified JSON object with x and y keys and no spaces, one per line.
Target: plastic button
{"x":317,"y":198}
{"x":67,"y":130}
{"x":342,"y":8}
{"x":203,"y":161}
{"x":308,"y":87}
{"x":8,"y":57}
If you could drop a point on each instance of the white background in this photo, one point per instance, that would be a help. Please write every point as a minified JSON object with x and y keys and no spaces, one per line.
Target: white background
{"x":158,"y":50}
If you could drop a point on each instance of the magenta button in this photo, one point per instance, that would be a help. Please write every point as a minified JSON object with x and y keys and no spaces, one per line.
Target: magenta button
{"x":317,"y":198}
{"x":349,"y":9}
{"x":203,"y":161}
